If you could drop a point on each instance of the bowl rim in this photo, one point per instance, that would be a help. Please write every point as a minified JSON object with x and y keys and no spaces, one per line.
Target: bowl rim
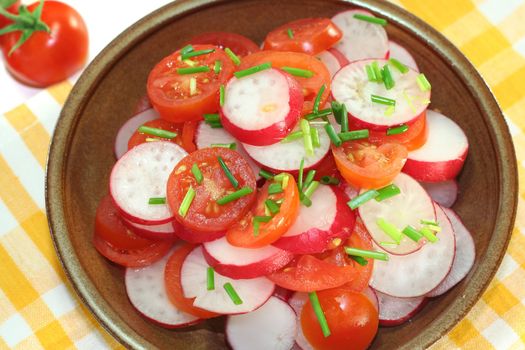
{"x":96,"y":70}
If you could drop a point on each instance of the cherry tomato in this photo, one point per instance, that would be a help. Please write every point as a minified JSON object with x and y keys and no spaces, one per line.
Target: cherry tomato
{"x":169,"y":92}
{"x":366,"y":165}
{"x":139,"y":138}
{"x":205,"y":214}
{"x":351,"y":318}
{"x":310,"y":86}
{"x":244,"y":234}
{"x":239,"y":44}
{"x":412,"y":139}
{"x":48,"y":58}
{"x":308,"y":35}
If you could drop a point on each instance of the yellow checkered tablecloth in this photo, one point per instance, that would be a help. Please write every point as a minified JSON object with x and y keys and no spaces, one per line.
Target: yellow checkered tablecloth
{"x":38,"y":308}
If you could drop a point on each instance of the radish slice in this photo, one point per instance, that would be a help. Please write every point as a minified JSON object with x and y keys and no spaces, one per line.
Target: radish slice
{"x":443,"y":154}
{"x":129,"y":128}
{"x":372,"y":296}
{"x":343,"y":61}
{"x":395,"y":311}
{"x":142,"y":173}
{"x":147,"y":292}
{"x":352,"y":87}
{"x":327,"y":219}
{"x":253,"y":292}
{"x":407,"y":208}
{"x":155,"y":232}
{"x":402,"y":55}
{"x":361,"y":39}
{"x":237,"y":262}
{"x":297,"y":302}
{"x":272,"y":326}
{"x":418,"y":273}
{"x":282,"y":293}
{"x":330,"y":61}
{"x":350,"y":191}
{"x":262,"y":108}
{"x":444,"y":193}
{"x":464,"y":259}
{"x":196,"y":237}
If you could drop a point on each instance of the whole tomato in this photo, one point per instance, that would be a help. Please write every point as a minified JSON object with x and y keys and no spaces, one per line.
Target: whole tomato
{"x":56,"y":47}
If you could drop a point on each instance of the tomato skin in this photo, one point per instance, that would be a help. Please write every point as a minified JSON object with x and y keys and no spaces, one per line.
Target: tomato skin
{"x":45,"y":59}
{"x":139,"y":138}
{"x":412,"y":139}
{"x":352,"y":318}
{"x":239,"y":44}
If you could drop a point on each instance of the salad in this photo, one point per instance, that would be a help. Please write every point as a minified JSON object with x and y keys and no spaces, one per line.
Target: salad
{"x":301,"y":189}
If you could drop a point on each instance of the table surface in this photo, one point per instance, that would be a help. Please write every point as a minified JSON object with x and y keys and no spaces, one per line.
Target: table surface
{"x":39,"y":309}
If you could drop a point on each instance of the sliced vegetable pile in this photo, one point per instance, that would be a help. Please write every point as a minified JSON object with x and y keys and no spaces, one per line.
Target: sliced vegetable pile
{"x":302,"y":189}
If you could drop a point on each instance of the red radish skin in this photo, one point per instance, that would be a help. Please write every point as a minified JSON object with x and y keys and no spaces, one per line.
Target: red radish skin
{"x":129,"y":128}
{"x":236,"y":262}
{"x":283,"y":293}
{"x":327,"y":219}
{"x":196,"y":237}
{"x":442,"y":156}
{"x":155,"y":232}
{"x":262,"y":108}
{"x":297,"y":302}
{"x":395,"y":311}
{"x":402,"y":55}
{"x":343,"y":61}
{"x":444,"y":193}
{"x":272,"y":326}
{"x":147,"y":293}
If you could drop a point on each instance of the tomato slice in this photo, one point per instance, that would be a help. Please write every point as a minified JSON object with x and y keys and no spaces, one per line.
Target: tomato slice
{"x":205,"y":214}
{"x":188,"y":136}
{"x":169,"y":92}
{"x":239,"y":44}
{"x":412,"y":139}
{"x":310,"y":85}
{"x":367,"y":165}
{"x":138,"y":138}
{"x":243,"y":234}
{"x":174,"y":287}
{"x":352,"y":319}
{"x":309,"y":35}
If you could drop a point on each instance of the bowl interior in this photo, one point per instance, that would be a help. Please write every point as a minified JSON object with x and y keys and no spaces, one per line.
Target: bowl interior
{"x":107,"y":93}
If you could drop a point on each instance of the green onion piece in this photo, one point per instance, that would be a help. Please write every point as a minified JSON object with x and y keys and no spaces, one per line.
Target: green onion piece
{"x":434,"y":228}
{"x":390,"y":110}
{"x":336,"y":110}
{"x":300,"y":176}
{"x":272,"y":206}
{"x":280,"y":177}
{"x":222,"y":96}
{"x":234,"y":196}
{"x":266,"y":174}
{"x":377,"y":71}
{"x":284,"y":181}
{"x":186,"y":49}
{"x":388,"y":79}
{"x":186,"y":202}
{"x":362,"y":199}
{"x":312,"y":186}
{"x":354,"y":135}
{"x":361,"y":261}
{"x":193,"y":86}
{"x":314,"y":300}
{"x":217,"y":67}
{"x":275,"y":188}
{"x":235,"y":59}
{"x":192,"y":70}
{"x":309,"y":178}
{"x":212,"y":118}
{"x":429,"y":222}
{"x":197,"y":173}
{"x":398,"y":65}
{"x":298,"y":72}
{"x":165,"y":134}
{"x":333,"y":135}
{"x":191,"y":54}
{"x":152,"y":139}
{"x":215,"y":125}
{"x":228,"y":173}
{"x":423,"y":83}
{"x":316,"y":140}
{"x":389,"y":229}
{"x":388,"y":244}
{"x":290,"y":33}
{"x":344,"y":118}
{"x":319,"y":123}
{"x":370,"y":254}
{"x":232,"y":293}
{"x":428,"y":234}
{"x":387,"y":192}
{"x":319,"y":114}
{"x":296,"y":135}
{"x":257,"y":221}
{"x":232,"y":145}
{"x":329,"y":180}
{"x":190,"y":62}
{"x":397,"y":130}
{"x":252,"y":70}
{"x":383,"y":100}
{"x":157,"y":200}
{"x":412,"y":233}
{"x":370,"y":73}
{"x":375,"y":20}
{"x":307,"y":137}
{"x":318,"y":99}
{"x":210,"y":278}
{"x":305,"y":200}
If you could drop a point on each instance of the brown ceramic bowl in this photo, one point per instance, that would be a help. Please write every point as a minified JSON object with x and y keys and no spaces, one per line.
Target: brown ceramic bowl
{"x":81,"y":158}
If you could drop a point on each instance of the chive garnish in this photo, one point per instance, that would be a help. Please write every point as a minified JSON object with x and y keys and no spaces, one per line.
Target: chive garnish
{"x":370,"y":254}
{"x":212,"y":118}
{"x":275,"y":188}
{"x":370,"y":73}
{"x":319,"y":114}
{"x":387,"y":192}
{"x":189,"y":62}
{"x":329,"y":180}
{"x":152,"y":139}
{"x":377,"y":71}
{"x":388,"y":79}
{"x":252,"y":70}
{"x":318,"y":123}
{"x":412,"y":233}
{"x":272,"y":206}
{"x":217,"y":67}
{"x":186,"y":202}
{"x":316,"y":140}
{"x":210,"y":278}
{"x":434,"y":228}
{"x":423,"y":83}
{"x":290,"y":33}
{"x":300,"y":176}
{"x":375,"y":20}
{"x":307,"y":137}
{"x":428,"y":234}
{"x":165,"y":134}
{"x":388,"y":244}
{"x":298,"y":72}
{"x":284,"y":181}
{"x":222,"y":96}
{"x":429,"y":222}
{"x":215,"y":125}
{"x":190,"y":54}
{"x":191,"y":70}
{"x":397,"y":130}
{"x":343,"y":116}
{"x":296,"y":135}
{"x":235,"y":59}
{"x":186,"y":49}
{"x":257,"y":222}
{"x":266,"y":174}
{"x":314,"y":300}
{"x":157,"y":200}
{"x":354,"y":135}
{"x":193,"y":86}
{"x":232,"y":293}
{"x":232,"y":145}
{"x":228,"y":173}
{"x":197,"y":173}
{"x":383,"y":100}
{"x":309,"y":178}
{"x":317,"y":100}
{"x":361,"y":261}
{"x":390,"y":230}
{"x":336,"y":110}
{"x":398,"y":65}
{"x":333,"y":135}
{"x":362,"y":199}
{"x":310,"y":189}
{"x":234,"y":196}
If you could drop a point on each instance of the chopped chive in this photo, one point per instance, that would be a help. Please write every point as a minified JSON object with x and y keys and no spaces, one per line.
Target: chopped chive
{"x":193,"y":86}
{"x":370,"y":73}
{"x":408,"y":100}
{"x":429,"y":222}
{"x":383,"y":100}
{"x":309,"y":191}
{"x":165,"y":134}
{"x":354,"y":135}
{"x":434,"y":228}
{"x":389,"y":229}
{"x":192,"y":70}
{"x":215,"y":125}
{"x":290,"y":33}
{"x":298,"y":72}
{"x":370,"y":254}
{"x":186,"y":49}
{"x":232,"y":293}
{"x":412,"y":233}
{"x":329,"y":180}
{"x":300,"y":176}
{"x":370,"y":19}
{"x":423,"y":83}
{"x":284,"y":182}
{"x":252,"y":70}
{"x":186,"y":202}
{"x":307,"y":137}
{"x":337,"y":108}
{"x":210,"y":278}
{"x":319,"y":123}
{"x":272,"y":206}
{"x":151,"y":139}
{"x":234,"y":196}
{"x":309,"y":178}
{"x":322,"y":113}
{"x":377,"y":71}
{"x":222,"y":96}
{"x":190,"y":62}
{"x":398,"y":65}
{"x":344,"y":118}
{"x":307,"y":202}
{"x":387,"y":192}
{"x":157,"y":200}
{"x":388,"y":244}
{"x":275,"y":188}
{"x":314,"y":300}
{"x":428,"y":234}
{"x":217,"y":67}
{"x":390,"y":110}
{"x":316,"y":141}
{"x":280,"y":177}
{"x":235,"y":59}
{"x":232,"y":145}
{"x":388,"y":79}
{"x":257,"y":221}
{"x":190,"y":54}
{"x":211,"y":117}
{"x":397,"y":130}
{"x":266,"y":174}
{"x":228,"y":173}
{"x":296,"y":135}
{"x":333,"y":135}
{"x":361,"y":261}
{"x":197,"y":173}
{"x":362,"y":199}
{"x":317,"y":100}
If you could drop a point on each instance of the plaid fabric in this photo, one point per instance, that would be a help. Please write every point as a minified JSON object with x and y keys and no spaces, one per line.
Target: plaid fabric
{"x":38,"y":308}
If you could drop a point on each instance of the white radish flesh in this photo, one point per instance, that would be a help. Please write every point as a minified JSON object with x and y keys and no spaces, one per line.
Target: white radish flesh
{"x":330,"y":61}
{"x":444,"y":193}
{"x":161,"y":232}
{"x":129,"y":128}
{"x":395,"y":311}
{"x":272,"y":326}
{"x":372,"y":296}
{"x":297,"y":302}
{"x":402,"y":55}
